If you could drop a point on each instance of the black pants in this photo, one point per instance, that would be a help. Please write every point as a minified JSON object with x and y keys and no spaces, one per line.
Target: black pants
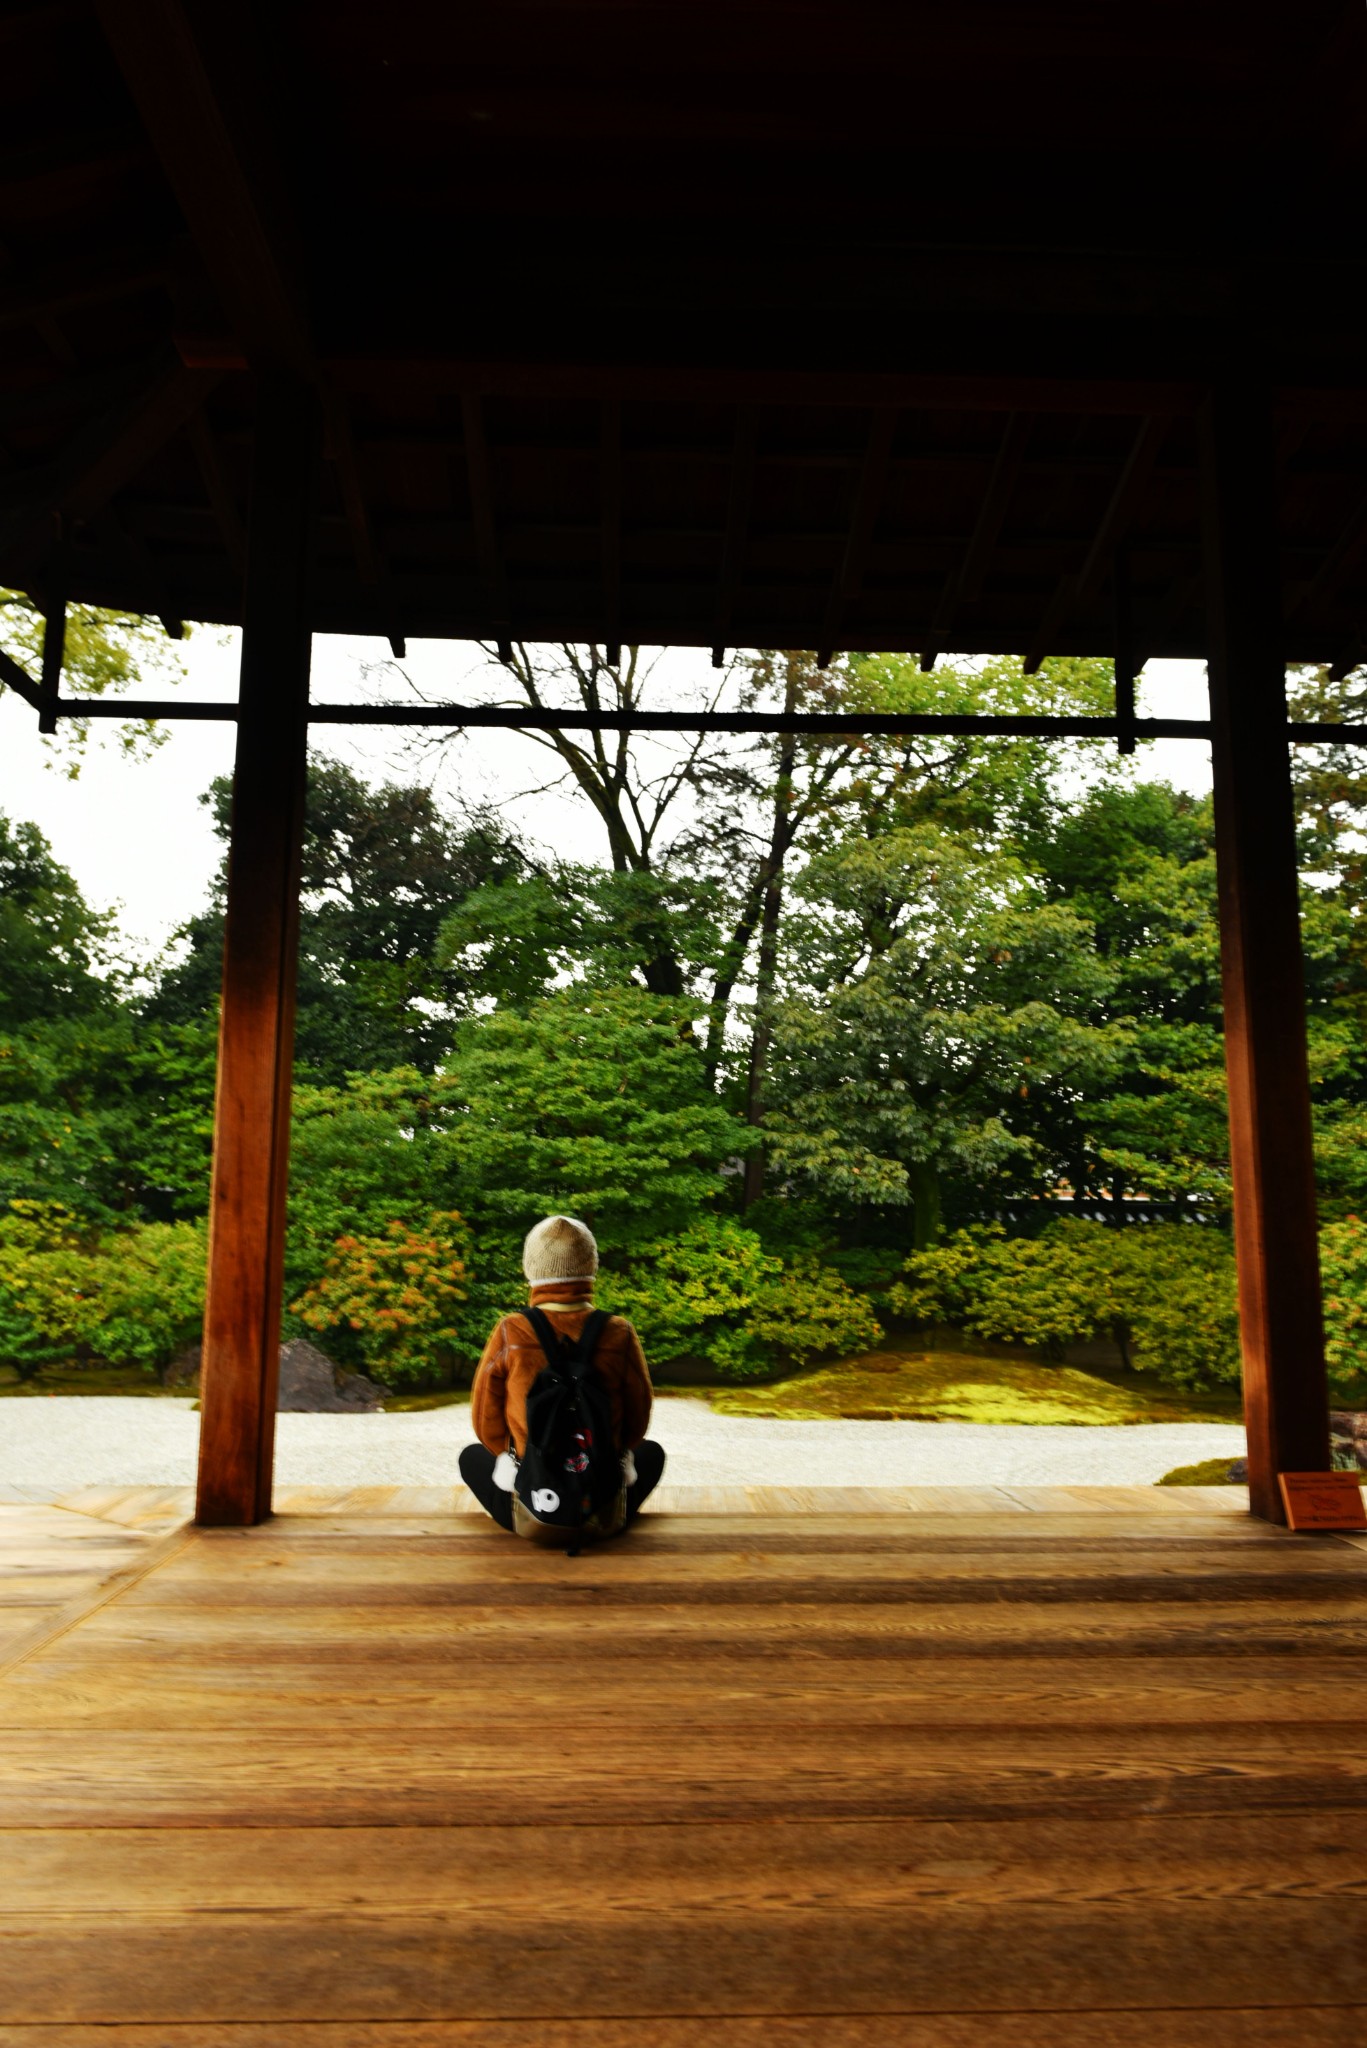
{"x":477,"y":1470}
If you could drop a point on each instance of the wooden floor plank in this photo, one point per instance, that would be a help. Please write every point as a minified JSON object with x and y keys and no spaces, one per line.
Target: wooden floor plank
{"x":153,"y":1691}
{"x":1201,"y":1858}
{"x":1234,"y":2027}
{"x":1007,"y":1773}
{"x":113,"y":1777}
{"x":452,"y":1963}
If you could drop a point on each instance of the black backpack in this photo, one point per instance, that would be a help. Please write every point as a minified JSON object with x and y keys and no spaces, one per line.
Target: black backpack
{"x":571,"y":1468}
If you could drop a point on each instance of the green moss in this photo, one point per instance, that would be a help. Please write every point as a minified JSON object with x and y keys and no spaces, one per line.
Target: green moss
{"x":86,"y":1379}
{"x":409,"y":1404}
{"x":963,"y":1386}
{"x":1210,"y":1472}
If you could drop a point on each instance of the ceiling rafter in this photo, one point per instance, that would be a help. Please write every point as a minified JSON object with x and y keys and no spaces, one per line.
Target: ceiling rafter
{"x":963,"y":587}
{"x":221,"y":170}
{"x":868,"y":502}
{"x":1115,"y":521}
{"x":66,"y":288}
{"x":610,"y":465}
{"x":101,"y":455}
{"x":1336,"y":568}
{"x":739,"y":499}
{"x":229,"y":520}
{"x":493,"y":581}
{"x":208,"y":135}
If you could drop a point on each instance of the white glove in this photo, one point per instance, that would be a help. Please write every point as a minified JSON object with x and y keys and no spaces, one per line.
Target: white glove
{"x":629,"y":1468}
{"x":505,"y":1471}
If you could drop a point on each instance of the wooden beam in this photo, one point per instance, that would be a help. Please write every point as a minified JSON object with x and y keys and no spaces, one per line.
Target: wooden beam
{"x":54,"y":654}
{"x":341,"y":446}
{"x":256,"y":1030}
{"x":1126,"y":664}
{"x":202,"y":115}
{"x":610,"y":468}
{"x":1182,"y":597}
{"x":1285,"y":1389}
{"x":102,"y":454}
{"x":493,"y":583}
{"x":868,"y":500}
{"x":371,"y":565}
{"x":1115,"y":521}
{"x":217,"y":490}
{"x":1336,"y":568}
{"x":963,"y":587}
{"x":519,"y":377}
{"x":20,"y":681}
{"x":65,"y":287}
{"x":740,"y":496}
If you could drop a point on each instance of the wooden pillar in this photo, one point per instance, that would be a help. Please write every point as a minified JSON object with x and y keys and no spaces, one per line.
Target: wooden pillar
{"x":1286,"y":1402}
{"x":256,"y":1029}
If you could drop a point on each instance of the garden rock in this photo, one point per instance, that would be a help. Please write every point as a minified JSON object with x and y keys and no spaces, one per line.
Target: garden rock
{"x":310,"y":1384}
{"x":1348,"y":1438}
{"x":183,"y":1371}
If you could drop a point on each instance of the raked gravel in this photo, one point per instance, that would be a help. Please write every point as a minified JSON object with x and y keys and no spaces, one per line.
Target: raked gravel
{"x":53,"y":1444}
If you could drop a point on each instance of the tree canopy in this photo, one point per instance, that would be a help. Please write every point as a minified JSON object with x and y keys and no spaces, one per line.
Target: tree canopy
{"x":825,"y":1007}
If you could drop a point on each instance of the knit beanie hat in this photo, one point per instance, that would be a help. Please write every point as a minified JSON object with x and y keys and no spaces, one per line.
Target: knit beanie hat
{"x":559,"y":1248}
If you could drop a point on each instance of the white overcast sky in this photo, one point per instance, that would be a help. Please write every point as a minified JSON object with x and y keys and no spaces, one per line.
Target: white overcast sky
{"x":137,"y":839}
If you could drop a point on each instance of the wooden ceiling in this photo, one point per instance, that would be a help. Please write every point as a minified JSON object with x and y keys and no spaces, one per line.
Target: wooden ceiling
{"x":826,"y":324}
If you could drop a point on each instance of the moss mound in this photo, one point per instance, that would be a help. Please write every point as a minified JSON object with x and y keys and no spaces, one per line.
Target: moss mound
{"x":963,"y":1386}
{"x":1210,"y":1472}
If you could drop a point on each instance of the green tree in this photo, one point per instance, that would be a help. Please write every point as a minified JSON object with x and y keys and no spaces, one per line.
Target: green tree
{"x":1138,"y":863}
{"x":382,"y":870}
{"x":101,"y":1112}
{"x":593,"y":1102}
{"x":932,"y":994}
{"x":52,"y":944}
{"x":714,"y":1292}
{"x":104,"y":654}
{"x":1165,"y":1293}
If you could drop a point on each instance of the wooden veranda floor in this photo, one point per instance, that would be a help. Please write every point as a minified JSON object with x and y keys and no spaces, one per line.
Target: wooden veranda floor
{"x":1087,"y":1773}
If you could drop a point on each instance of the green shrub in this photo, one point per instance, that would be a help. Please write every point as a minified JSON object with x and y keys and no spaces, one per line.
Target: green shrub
{"x":713,"y":1292}
{"x":394,"y":1298}
{"x":1343,"y":1270}
{"x":129,"y":1298}
{"x":1165,"y":1293}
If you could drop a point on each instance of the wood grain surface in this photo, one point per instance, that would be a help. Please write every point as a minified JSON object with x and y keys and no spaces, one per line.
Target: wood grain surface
{"x":1022,"y":1776}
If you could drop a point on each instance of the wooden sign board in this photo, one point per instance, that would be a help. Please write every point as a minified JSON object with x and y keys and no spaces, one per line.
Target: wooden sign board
{"x":1323,"y":1500}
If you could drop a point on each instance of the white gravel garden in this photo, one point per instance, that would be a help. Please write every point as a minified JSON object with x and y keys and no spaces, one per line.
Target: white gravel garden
{"x":50,"y":1445}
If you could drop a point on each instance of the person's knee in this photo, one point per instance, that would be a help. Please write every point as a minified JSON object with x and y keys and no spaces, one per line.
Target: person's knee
{"x":475,"y":1463}
{"x":650,"y":1463}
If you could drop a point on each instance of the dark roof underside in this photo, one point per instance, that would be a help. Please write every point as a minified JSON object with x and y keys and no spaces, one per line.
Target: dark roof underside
{"x":804,"y":325}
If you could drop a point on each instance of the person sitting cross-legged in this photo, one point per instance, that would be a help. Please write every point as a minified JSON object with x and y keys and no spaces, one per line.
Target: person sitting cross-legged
{"x":580,"y":1467}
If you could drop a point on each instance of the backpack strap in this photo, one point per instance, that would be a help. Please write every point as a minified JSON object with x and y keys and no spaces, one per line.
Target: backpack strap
{"x":548,"y":1337}
{"x":557,"y":1348}
{"x":588,"y":1338}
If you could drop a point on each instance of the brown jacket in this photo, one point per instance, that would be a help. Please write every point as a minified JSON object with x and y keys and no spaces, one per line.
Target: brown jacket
{"x":513,"y":1357}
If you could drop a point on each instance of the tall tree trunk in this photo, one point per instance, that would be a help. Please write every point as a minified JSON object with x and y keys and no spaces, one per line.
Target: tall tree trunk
{"x":925,"y":1204}
{"x":771,"y":911}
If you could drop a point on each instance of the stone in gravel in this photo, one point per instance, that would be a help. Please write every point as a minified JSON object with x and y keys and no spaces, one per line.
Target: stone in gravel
{"x":1348,"y":1438}
{"x":183,"y":1371}
{"x":311,"y":1384}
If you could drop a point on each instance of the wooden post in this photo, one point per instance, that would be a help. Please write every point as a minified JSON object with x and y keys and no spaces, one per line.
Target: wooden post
{"x":54,"y":655}
{"x":256,"y":1029}
{"x":1286,"y":1402}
